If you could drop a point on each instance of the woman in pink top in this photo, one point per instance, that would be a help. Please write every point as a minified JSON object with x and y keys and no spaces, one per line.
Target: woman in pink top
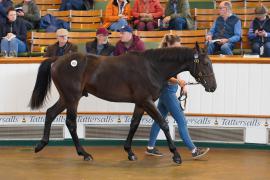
{"x":146,"y":14}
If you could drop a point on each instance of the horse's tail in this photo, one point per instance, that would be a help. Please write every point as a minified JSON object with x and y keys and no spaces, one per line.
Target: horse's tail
{"x":43,"y":84}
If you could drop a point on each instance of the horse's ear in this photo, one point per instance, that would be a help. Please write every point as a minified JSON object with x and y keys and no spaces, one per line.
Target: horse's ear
{"x":197,"y":47}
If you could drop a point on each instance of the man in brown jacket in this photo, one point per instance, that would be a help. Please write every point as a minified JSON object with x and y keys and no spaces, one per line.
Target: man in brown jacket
{"x":62,"y":46}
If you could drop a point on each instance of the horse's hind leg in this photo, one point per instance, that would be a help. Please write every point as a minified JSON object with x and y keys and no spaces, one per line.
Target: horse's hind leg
{"x":151,"y":109}
{"x":72,"y":127}
{"x":135,"y":121}
{"x":51,"y":114}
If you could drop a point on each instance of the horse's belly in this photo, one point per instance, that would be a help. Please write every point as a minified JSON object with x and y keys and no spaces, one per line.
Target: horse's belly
{"x":113,"y":95}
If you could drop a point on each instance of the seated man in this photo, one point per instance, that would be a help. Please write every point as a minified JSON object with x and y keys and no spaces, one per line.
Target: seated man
{"x":29,"y":12}
{"x":62,"y":46}
{"x":100,"y":46}
{"x":226,"y":31}
{"x":177,"y":15}
{"x":259,"y":32}
{"x":128,"y":42}
{"x":12,"y":35}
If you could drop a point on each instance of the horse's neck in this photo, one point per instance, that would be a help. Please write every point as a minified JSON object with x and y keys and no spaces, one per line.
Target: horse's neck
{"x":170,"y":68}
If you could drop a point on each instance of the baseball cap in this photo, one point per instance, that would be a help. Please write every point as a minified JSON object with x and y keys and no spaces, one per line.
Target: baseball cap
{"x":102,"y":31}
{"x":125,"y":28}
{"x":261,"y":11}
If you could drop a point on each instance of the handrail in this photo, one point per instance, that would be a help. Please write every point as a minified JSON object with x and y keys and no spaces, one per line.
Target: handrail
{"x":215,"y":59}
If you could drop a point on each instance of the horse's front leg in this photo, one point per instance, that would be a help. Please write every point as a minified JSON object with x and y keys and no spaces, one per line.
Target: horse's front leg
{"x":51,"y":114}
{"x":72,"y":127}
{"x":135,"y":121}
{"x":151,"y":109}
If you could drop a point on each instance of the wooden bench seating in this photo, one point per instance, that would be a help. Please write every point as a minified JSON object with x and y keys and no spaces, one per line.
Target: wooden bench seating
{"x":79,"y":20}
{"x":48,"y":4}
{"x":256,"y":3}
{"x":190,"y":37}
{"x":91,"y":19}
{"x":39,"y":40}
{"x":64,"y":15}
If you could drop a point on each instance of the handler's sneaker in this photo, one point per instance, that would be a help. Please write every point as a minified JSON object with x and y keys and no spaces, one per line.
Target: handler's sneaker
{"x":153,"y":152}
{"x":199,"y":153}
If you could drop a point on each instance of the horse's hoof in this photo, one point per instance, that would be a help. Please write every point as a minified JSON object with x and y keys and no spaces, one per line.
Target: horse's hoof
{"x":177,"y":160}
{"x":88,"y":158}
{"x":40,"y":146}
{"x":132,"y":158}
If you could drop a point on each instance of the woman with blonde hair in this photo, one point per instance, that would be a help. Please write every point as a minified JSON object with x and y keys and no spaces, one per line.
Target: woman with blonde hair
{"x":168,"y":102}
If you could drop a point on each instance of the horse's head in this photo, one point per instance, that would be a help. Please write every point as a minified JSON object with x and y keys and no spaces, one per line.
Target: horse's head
{"x":202,"y":70}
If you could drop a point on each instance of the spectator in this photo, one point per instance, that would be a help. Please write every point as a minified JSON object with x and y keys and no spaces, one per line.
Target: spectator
{"x":146,"y":14}
{"x":225,"y":32}
{"x":29,"y":12}
{"x":177,"y":15}
{"x":100,"y":46}
{"x":62,"y":46}
{"x":117,"y":14}
{"x":128,"y":42}
{"x":259,"y":32}
{"x":4,"y":5}
{"x":13,"y":34}
{"x":76,"y":5}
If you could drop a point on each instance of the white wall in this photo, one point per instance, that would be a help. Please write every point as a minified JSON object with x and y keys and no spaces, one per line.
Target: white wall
{"x":242,"y":89}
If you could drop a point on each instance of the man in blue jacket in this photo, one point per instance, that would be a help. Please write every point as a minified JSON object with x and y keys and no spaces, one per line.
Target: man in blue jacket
{"x":225,"y":32}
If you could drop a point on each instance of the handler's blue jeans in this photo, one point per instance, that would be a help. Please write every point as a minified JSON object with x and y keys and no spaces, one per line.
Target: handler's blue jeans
{"x":168,"y":102}
{"x":14,"y":45}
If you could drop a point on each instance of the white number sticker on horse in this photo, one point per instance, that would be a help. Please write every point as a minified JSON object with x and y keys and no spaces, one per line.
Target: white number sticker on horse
{"x":74,"y":63}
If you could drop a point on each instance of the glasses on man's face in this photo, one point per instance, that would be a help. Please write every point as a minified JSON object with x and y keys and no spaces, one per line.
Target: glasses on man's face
{"x":222,"y":7}
{"x":62,"y":36}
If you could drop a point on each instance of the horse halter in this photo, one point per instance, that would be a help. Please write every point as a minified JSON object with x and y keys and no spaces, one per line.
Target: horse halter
{"x":200,"y":76}
{"x":183,"y":96}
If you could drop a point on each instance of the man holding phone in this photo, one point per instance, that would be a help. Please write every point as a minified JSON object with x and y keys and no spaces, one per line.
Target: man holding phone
{"x":259,"y":32}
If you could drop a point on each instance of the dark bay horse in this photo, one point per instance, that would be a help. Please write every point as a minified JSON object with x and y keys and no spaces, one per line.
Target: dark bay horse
{"x":135,"y":77}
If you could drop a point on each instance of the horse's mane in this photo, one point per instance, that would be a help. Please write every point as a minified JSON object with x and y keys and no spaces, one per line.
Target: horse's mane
{"x":168,"y":54}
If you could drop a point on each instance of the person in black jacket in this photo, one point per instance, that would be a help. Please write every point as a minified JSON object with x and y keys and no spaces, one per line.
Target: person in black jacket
{"x":13,"y":34}
{"x":29,"y":12}
{"x":4,"y":5}
{"x":100,"y":46}
{"x":62,"y":46}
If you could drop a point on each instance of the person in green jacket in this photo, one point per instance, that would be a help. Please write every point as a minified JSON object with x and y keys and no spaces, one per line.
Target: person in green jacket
{"x":177,"y":15}
{"x":29,"y":12}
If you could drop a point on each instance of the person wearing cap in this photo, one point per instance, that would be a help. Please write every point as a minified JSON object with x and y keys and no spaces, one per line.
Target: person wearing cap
{"x":62,"y":46}
{"x":226,"y":31}
{"x":13,"y":34}
{"x":128,"y":42}
{"x":117,"y":14}
{"x":146,"y":14}
{"x":259,"y":32}
{"x":100,"y":46}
